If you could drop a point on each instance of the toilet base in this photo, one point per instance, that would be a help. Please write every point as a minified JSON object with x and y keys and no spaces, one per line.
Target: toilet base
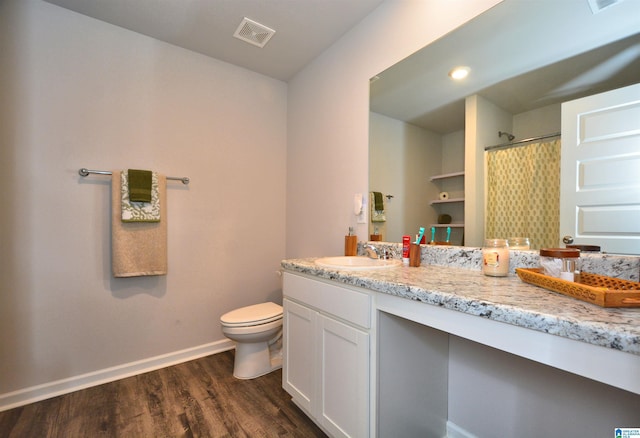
{"x":255,"y":359}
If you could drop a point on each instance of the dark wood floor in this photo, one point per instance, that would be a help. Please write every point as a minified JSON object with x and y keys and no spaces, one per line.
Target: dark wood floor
{"x":200,"y":398}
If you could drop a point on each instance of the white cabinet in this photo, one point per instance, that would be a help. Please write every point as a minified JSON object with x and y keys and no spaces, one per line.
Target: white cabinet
{"x":299,"y":358}
{"x":326,"y":364}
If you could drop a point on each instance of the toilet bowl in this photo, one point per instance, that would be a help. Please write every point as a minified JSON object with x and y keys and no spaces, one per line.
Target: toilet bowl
{"x":257,"y":332}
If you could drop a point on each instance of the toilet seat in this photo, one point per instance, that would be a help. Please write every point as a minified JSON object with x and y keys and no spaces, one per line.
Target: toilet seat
{"x":257,"y":314}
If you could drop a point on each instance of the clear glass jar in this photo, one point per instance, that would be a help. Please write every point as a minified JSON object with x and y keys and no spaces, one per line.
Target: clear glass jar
{"x":519,"y":243}
{"x":560,"y":262}
{"x":495,"y":258}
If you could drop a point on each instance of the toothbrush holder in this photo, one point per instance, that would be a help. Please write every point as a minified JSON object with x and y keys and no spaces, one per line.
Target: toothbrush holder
{"x":415,"y":254}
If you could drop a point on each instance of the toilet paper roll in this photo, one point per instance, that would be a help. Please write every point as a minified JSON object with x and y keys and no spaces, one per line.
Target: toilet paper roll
{"x":444,"y":196}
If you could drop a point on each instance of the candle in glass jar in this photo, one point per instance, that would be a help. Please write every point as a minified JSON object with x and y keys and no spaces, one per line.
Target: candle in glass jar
{"x":520,"y":243}
{"x":495,"y":258}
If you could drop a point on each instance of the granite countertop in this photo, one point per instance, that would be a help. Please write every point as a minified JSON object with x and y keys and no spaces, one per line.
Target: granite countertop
{"x":503,"y":299}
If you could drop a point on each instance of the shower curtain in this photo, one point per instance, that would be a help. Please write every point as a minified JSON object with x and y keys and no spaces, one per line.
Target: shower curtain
{"x":523,"y":193}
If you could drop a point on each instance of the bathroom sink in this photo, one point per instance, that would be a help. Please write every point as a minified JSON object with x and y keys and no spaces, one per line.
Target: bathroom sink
{"x":356,"y":263}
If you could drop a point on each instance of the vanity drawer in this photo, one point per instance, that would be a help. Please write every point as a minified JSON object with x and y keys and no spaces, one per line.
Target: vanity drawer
{"x":348,"y":304}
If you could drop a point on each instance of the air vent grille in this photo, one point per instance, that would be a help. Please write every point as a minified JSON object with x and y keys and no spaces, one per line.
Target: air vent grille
{"x":253,"y":33}
{"x":599,"y":5}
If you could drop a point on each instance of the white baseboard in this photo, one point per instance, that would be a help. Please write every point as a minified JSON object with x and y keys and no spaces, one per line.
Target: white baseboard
{"x":44,"y":391}
{"x":454,"y":431}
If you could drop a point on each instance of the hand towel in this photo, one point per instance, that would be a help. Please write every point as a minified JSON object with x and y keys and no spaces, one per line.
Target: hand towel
{"x":377,"y":207}
{"x":139,"y":185}
{"x":139,"y":211}
{"x":377,"y":201}
{"x":138,"y":248}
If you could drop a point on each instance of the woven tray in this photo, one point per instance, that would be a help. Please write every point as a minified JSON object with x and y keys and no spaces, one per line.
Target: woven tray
{"x":596,"y":289}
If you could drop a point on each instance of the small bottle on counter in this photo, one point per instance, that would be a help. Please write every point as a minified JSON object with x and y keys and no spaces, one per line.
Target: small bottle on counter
{"x":495,"y":258}
{"x":560,"y":262}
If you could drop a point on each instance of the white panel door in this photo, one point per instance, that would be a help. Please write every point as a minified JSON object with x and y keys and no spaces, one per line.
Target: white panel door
{"x":600,"y":183}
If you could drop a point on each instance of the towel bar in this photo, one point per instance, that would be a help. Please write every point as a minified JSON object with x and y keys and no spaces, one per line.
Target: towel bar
{"x":85,"y":172}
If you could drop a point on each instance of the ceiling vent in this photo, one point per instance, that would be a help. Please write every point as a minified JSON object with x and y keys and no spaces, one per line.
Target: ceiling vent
{"x":253,"y":33}
{"x":599,"y":5}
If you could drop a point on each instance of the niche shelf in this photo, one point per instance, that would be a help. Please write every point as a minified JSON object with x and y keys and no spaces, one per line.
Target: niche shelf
{"x":453,"y":182}
{"x":446,"y":176}
{"x":443,"y":177}
{"x":446,"y":201}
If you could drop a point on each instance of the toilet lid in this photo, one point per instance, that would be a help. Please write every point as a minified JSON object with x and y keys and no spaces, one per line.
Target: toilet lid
{"x":252,"y":315}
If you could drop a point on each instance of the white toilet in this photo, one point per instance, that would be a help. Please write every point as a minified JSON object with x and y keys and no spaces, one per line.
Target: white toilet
{"x":257,"y":332}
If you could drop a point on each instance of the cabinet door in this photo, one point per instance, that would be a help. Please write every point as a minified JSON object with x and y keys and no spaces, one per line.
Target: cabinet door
{"x":344,"y":368}
{"x":299,"y":356}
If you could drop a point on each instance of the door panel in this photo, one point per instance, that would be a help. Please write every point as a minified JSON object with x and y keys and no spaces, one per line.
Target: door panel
{"x":345,"y":379}
{"x":600,"y":183}
{"x":298,"y":368}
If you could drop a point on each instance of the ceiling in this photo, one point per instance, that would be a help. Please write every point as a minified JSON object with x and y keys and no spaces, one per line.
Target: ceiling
{"x":615,"y":65}
{"x":304,"y":28}
{"x":523,"y":55}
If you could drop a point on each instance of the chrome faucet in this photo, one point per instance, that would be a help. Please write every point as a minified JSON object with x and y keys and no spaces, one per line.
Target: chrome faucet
{"x":372,"y":251}
{"x":375,"y":253}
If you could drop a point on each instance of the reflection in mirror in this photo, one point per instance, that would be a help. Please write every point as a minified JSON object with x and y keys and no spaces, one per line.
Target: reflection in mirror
{"x":428,"y":134}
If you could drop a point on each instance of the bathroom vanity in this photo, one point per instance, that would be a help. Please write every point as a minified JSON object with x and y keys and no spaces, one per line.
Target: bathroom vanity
{"x":326,"y":348}
{"x":446,"y":351}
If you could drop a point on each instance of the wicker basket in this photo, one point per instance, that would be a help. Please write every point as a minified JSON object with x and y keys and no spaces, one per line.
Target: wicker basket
{"x":596,"y":289}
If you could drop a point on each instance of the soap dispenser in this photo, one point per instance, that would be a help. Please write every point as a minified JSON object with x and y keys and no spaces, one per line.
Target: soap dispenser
{"x":350,"y":243}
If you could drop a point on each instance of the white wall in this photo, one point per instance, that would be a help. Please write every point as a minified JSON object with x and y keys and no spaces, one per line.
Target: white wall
{"x":76,"y":92}
{"x":402,"y":157}
{"x":493,"y":393}
{"x":483,"y":120}
{"x":541,"y":121}
{"x":453,"y":150}
{"x":328,"y":112}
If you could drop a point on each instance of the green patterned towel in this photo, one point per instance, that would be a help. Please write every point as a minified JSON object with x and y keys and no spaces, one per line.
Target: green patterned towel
{"x":377,"y":201}
{"x":139,"y":211}
{"x":139,"y":185}
{"x":377,"y":207}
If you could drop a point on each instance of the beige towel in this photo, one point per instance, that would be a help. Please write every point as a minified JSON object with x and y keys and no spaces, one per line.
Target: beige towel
{"x":138,"y":248}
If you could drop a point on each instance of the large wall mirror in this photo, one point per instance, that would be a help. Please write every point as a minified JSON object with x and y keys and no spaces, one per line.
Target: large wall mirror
{"x":525,"y":59}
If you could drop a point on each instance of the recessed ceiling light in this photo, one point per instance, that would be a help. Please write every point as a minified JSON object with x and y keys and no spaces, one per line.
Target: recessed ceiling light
{"x":459,"y":73}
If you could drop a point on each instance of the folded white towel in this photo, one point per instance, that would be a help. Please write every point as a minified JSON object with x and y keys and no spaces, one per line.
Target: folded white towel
{"x":139,"y":211}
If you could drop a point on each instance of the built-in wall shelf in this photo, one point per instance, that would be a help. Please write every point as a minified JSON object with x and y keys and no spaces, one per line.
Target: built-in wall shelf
{"x":446,"y":201}
{"x":446,"y":176}
{"x":446,"y":179}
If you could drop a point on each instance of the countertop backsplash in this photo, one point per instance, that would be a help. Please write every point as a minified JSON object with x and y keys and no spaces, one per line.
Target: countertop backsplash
{"x":625,"y":267}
